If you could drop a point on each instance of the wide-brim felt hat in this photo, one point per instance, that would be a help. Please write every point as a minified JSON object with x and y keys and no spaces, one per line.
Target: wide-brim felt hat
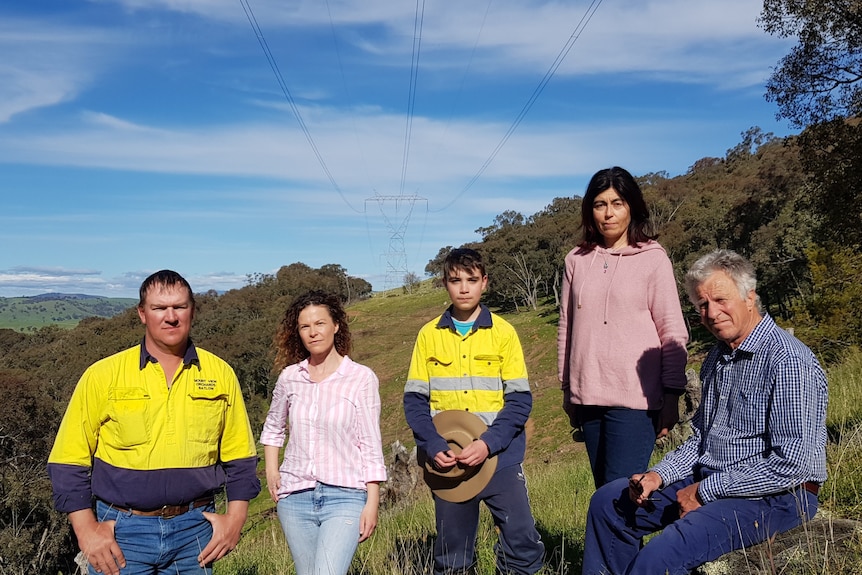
{"x":459,"y":483}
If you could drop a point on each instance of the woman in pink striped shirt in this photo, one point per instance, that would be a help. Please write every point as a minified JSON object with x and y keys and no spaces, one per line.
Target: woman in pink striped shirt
{"x":327,"y":489}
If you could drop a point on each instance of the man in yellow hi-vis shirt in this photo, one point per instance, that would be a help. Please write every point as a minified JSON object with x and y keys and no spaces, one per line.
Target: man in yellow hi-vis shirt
{"x":149,"y":436}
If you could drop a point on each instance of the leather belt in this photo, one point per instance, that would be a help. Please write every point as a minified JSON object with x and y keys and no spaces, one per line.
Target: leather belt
{"x":167,"y":511}
{"x":811,"y":487}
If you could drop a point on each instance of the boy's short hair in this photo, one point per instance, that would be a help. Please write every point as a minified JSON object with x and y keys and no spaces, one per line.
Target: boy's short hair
{"x":463,"y":259}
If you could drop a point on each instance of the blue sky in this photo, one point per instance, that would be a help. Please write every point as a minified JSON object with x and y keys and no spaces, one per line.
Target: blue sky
{"x":137,"y":135}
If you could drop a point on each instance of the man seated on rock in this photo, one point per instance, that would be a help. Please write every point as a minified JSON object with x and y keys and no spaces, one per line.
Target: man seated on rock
{"x":757,"y":455}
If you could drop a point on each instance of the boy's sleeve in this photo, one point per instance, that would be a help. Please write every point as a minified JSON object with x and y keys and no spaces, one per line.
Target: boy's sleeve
{"x":417,"y":397}
{"x":514,"y":370}
{"x":509,"y":422}
{"x":517,"y":398}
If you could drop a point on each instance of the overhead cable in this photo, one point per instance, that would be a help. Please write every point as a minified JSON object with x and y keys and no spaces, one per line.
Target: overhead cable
{"x":418,"y":21}
{"x":289,"y":97}
{"x":585,"y":19}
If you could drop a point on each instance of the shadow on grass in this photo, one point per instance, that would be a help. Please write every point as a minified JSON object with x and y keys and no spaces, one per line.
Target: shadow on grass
{"x":416,"y":556}
{"x":836,"y":431}
{"x":562,"y":555}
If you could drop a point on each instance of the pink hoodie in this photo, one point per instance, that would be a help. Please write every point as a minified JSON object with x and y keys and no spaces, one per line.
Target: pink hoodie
{"x":621,"y":337}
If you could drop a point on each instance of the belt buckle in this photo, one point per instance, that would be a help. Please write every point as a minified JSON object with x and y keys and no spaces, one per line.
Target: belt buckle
{"x":169,"y":511}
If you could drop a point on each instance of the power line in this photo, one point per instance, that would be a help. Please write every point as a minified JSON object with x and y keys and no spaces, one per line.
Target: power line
{"x":585,"y":19}
{"x":418,"y":21}
{"x":396,"y":255}
{"x":289,"y":97}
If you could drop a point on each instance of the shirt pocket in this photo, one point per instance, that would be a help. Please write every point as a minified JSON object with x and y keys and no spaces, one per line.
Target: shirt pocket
{"x":748,"y":413}
{"x":487,"y":365}
{"x":128,"y":411}
{"x":439,"y":366}
{"x":206,"y":414}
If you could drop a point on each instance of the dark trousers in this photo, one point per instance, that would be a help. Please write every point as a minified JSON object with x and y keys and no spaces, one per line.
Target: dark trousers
{"x":619,"y":440}
{"x":616,"y":527}
{"x":519,"y":549}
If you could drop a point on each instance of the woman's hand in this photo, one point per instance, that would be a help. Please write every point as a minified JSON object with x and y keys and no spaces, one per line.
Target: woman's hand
{"x":368,"y":517}
{"x":668,"y":415}
{"x":571,"y":409}
{"x":273,"y":475}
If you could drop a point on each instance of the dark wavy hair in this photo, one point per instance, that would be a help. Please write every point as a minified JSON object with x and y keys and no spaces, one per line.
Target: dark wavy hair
{"x":463,"y":259}
{"x":640,"y":227}
{"x":164,"y":278}
{"x":288,"y":344}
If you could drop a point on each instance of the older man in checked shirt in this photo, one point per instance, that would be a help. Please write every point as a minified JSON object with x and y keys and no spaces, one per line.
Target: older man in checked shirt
{"x":757,"y":455}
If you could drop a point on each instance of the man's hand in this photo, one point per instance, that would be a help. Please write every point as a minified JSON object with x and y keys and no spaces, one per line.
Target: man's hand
{"x":97,"y":542}
{"x":474,"y":454}
{"x":642,"y":485}
{"x":227,"y":529}
{"x":688,"y":499}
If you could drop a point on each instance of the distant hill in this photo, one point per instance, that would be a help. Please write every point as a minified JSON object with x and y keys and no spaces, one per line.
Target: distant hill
{"x":27,"y":314}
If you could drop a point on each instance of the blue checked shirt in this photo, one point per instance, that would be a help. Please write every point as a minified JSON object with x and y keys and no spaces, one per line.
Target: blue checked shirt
{"x":761,"y":424}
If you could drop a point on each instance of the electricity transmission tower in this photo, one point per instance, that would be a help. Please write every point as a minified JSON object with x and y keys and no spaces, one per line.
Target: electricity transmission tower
{"x":396,"y":255}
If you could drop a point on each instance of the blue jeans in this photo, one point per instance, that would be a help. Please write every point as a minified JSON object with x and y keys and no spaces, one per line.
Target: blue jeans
{"x":616,"y":527}
{"x":155,"y":545}
{"x":619,"y":440}
{"x":519,"y":550}
{"x":321,"y":526}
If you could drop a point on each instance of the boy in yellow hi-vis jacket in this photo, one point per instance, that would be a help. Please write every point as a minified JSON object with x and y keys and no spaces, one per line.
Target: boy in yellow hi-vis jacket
{"x":471,"y":359}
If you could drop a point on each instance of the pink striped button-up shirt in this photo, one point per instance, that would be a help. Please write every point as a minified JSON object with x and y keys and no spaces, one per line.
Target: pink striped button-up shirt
{"x":333,"y":425}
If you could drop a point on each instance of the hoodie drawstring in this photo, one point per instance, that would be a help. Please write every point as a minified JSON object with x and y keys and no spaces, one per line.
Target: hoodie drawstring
{"x":613,"y":274}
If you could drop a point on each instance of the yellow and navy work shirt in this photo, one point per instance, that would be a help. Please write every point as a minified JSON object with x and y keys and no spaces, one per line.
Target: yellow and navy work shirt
{"x":482,"y":372}
{"x":129,"y":440}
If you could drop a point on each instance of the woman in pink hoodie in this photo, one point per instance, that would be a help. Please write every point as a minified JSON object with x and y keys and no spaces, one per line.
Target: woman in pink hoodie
{"x":621,"y":340}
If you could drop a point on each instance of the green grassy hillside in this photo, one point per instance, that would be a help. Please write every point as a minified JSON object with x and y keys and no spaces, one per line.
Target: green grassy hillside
{"x":27,"y":314}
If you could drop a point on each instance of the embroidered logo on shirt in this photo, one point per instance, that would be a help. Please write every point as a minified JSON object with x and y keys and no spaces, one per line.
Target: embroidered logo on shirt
{"x":205,"y":384}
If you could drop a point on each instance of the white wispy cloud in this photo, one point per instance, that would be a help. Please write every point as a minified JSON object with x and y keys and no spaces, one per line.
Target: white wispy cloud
{"x":45,"y":63}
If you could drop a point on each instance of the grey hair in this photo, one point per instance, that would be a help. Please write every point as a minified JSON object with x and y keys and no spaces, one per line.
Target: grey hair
{"x":740,"y":270}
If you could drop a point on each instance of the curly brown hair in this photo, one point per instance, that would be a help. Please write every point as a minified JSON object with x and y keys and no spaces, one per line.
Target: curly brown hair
{"x":288,"y":344}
